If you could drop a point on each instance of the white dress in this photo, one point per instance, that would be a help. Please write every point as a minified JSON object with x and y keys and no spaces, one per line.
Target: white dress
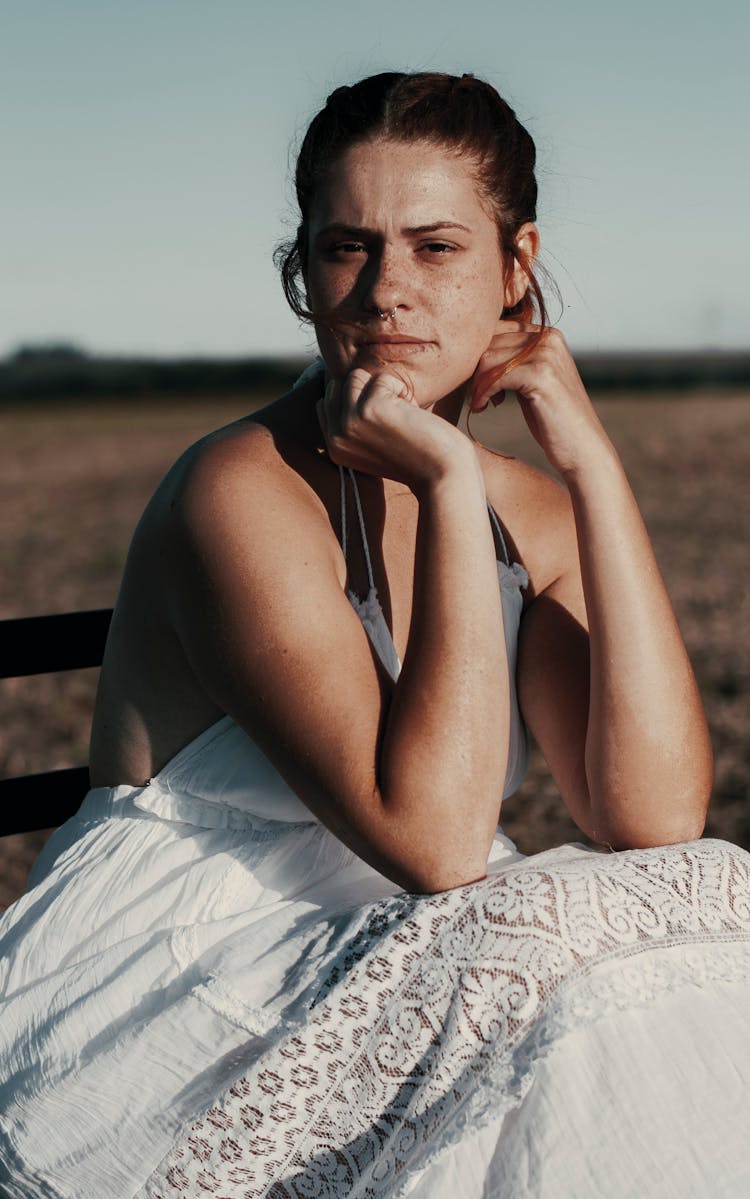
{"x":205,"y":993}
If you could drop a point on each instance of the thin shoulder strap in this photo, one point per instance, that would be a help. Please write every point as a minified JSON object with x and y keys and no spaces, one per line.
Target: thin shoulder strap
{"x":342,"y":490}
{"x":499,"y":531}
{"x":365,"y":546}
{"x":361,"y":519}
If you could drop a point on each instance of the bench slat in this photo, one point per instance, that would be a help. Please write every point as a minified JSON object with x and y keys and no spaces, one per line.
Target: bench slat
{"x":46,"y":644}
{"x":38,"y":801}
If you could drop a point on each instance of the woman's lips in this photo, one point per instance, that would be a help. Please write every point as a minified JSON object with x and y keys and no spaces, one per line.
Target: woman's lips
{"x":395,"y":346}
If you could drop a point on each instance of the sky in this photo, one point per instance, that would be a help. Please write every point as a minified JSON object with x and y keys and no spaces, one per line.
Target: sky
{"x":146,"y":153}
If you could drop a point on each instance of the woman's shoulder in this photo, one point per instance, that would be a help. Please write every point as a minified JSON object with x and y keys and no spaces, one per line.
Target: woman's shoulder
{"x":267,"y":451}
{"x":537,"y":515}
{"x":237,"y":460}
{"x":255,"y":483}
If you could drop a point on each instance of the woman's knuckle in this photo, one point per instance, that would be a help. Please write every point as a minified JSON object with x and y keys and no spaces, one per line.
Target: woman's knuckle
{"x":556,"y":343}
{"x":339,"y":450}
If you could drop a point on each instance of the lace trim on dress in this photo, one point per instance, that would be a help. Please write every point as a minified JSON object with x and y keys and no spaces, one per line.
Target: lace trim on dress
{"x":434,"y":1013}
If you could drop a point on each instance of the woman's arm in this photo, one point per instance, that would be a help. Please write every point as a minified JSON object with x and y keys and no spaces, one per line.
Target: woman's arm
{"x":410,"y":780}
{"x":618,"y":715}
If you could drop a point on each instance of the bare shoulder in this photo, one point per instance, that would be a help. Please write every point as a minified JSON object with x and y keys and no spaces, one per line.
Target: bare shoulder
{"x":537,"y":514}
{"x":248,"y":488}
{"x":239,"y":464}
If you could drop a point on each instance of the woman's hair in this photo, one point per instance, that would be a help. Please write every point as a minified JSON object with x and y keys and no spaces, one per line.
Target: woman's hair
{"x":462,"y":114}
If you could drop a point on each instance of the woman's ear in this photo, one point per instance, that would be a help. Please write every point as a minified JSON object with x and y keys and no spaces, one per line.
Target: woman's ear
{"x":526,"y":247}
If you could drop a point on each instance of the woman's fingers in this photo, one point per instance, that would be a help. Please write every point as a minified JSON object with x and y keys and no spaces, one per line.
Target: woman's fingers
{"x":480,"y":399}
{"x":553,"y":399}
{"x":505,"y":325}
{"x":371,"y":422}
{"x":361,"y":394}
{"x":352,"y":409}
{"x":512,"y":340}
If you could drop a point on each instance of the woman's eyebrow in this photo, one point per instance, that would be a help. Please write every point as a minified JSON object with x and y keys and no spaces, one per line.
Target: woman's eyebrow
{"x":435,"y":226}
{"x":410,"y":231}
{"x":342,"y":229}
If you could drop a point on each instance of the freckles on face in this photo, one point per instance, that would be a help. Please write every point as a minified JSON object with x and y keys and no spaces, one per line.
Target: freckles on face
{"x":401,"y":228}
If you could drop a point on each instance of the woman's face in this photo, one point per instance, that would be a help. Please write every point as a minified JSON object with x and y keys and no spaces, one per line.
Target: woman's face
{"x":400,"y":228}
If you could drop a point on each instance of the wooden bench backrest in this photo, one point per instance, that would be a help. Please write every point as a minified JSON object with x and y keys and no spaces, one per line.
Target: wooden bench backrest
{"x":46,"y":645}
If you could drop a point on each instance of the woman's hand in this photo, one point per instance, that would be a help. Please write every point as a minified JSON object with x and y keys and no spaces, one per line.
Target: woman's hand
{"x":371,"y":423}
{"x":550,"y":392}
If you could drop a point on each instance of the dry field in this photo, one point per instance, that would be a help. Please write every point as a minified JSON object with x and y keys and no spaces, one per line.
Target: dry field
{"x":74,"y":479}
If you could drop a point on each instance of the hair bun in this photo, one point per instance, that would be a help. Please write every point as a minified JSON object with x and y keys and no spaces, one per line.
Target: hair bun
{"x":339,"y":93}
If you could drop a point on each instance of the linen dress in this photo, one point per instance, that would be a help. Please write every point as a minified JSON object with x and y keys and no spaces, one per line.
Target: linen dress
{"x":204,"y":992}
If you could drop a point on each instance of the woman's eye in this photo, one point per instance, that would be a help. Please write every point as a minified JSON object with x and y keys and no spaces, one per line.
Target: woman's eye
{"x":348,"y":247}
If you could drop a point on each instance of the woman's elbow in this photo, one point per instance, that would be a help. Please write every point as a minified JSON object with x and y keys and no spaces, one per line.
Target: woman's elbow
{"x":664,"y":807}
{"x":652,"y":829}
{"x":432,"y":878}
{"x":426,"y":853}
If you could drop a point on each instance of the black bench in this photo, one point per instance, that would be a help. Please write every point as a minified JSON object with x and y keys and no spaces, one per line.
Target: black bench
{"x":46,"y":645}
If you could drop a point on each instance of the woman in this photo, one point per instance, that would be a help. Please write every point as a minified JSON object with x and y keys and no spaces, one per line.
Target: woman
{"x":283,"y":948}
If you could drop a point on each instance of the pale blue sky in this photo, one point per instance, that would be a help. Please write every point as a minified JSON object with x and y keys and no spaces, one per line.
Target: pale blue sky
{"x":145,"y":150}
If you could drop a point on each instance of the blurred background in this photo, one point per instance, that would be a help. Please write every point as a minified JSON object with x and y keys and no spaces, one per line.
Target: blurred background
{"x":146,"y":152}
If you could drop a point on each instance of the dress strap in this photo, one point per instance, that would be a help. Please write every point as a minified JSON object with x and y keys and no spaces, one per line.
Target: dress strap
{"x":361,"y":519}
{"x":342,"y":491}
{"x":498,"y":529}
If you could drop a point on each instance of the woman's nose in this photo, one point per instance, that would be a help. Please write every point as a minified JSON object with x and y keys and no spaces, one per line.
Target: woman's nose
{"x":385,"y":284}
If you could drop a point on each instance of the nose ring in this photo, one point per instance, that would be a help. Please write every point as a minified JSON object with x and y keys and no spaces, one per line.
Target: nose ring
{"x":386,"y":316}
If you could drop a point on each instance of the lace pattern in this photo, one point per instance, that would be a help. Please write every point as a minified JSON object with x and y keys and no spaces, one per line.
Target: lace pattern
{"x":433,"y":1013}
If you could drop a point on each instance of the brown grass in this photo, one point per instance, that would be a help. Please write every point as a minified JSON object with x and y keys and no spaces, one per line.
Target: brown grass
{"x":75,"y":479}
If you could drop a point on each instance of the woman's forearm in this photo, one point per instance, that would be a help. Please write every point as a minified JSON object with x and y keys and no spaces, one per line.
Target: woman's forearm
{"x":445,"y":744}
{"x":648,"y":754}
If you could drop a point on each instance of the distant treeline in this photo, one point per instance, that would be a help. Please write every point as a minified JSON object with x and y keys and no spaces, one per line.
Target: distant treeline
{"x":67,"y":373}
{"x":664,"y":370}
